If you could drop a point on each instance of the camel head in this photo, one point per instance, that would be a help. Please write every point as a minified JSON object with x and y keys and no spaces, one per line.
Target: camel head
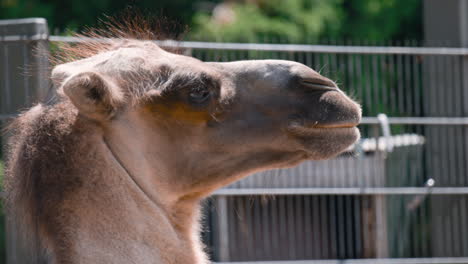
{"x":186,"y":127}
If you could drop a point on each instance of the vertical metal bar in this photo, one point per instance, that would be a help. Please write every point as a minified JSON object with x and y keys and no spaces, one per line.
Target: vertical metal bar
{"x":441,"y":131}
{"x":6,"y":80}
{"x":326,"y":229}
{"x":223,"y":225}
{"x":290,"y":228}
{"x":375,"y":83}
{"x":282,"y":227}
{"x":383,"y":73}
{"x":310,"y":242}
{"x":341,"y":230}
{"x":249,"y":225}
{"x":350,"y":81}
{"x":349,"y":212}
{"x":456,"y":226}
{"x":464,"y":95}
{"x":234,"y":233}
{"x":368,"y":85}
{"x":368,"y":228}
{"x":463,"y":221}
{"x":238,"y":221}
{"x":409,"y":91}
{"x":358,"y":226}
{"x":333,"y":226}
{"x":299,"y":227}
{"x":434,"y":110}
{"x":400,"y":78}
{"x":266,"y":226}
{"x":252,"y":233}
{"x":416,"y":85}
{"x":428,"y":221}
{"x":308,"y":60}
{"x":334,"y":67}
{"x":449,"y":103}
{"x":3,"y":71}
{"x":326,"y":64}
{"x":25,"y":74}
{"x":393,"y":84}
{"x":460,"y":172}
{"x":447,"y":238}
{"x":381,"y":226}
{"x":318,"y":63}
{"x":275,"y":236}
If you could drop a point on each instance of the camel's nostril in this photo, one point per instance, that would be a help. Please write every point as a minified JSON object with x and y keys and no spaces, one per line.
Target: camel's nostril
{"x":319,"y":85}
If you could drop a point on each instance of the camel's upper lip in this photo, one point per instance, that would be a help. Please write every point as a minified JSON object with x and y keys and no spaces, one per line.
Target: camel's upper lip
{"x":318,"y":125}
{"x":303,"y":129}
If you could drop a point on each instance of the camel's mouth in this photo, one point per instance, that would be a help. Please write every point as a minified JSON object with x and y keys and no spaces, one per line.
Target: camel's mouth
{"x":299,"y":125}
{"x":313,"y":138}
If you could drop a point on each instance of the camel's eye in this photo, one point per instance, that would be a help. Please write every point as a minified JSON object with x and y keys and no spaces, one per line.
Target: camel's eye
{"x":199,"y":95}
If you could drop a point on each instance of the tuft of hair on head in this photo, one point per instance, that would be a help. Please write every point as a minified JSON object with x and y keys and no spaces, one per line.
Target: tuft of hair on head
{"x":113,"y":32}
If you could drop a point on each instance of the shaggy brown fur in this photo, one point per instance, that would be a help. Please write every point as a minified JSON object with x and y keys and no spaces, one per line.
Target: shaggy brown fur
{"x":44,"y":146}
{"x":114,"y":172}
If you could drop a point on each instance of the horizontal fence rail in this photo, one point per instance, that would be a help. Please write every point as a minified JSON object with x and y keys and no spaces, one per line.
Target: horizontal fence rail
{"x":364,"y":261}
{"x":344,"y":191}
{"x":291,"y":47}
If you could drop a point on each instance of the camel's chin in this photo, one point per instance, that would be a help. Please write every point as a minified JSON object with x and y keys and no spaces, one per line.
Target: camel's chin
{"x":326,"y":143}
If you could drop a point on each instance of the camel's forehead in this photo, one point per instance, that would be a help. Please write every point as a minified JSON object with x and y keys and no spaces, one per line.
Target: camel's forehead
{"x":148,"y":54}
{"x":136,"y":57}
{"x":267,"y":68}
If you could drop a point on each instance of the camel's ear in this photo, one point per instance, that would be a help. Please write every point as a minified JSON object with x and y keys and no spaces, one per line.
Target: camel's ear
{"x":94,"y":95}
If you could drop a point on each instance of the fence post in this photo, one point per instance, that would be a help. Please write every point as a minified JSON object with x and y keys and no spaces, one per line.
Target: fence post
{"x":446,"y":24}
{"x":24,"y":70}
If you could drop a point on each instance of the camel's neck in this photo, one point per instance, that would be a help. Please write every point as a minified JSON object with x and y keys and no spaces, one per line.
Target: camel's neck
{"x":115,"y":217}
{"x":173,"y":222}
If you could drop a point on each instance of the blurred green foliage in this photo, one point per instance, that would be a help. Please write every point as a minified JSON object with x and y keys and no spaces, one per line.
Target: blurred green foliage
{"x":305,"y":21}
{"x":298,"y":21}
{"x":382,"y":20}
{"x":274,"y":19}
{"x":75,"y":14}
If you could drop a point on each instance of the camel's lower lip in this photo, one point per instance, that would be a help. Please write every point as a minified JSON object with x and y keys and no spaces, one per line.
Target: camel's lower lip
{"x":312,"y":140}
{"x":321,"y":129}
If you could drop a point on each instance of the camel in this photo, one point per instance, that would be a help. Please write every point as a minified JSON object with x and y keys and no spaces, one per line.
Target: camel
{"x":115,"y":170}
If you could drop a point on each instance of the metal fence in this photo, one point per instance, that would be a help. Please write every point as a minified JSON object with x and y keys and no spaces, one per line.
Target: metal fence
{"x":393,"y":197}
{"x":398,"y":196}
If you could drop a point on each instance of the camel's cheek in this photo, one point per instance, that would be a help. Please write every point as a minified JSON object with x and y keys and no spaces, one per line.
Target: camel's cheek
{"x":180,"y":112}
